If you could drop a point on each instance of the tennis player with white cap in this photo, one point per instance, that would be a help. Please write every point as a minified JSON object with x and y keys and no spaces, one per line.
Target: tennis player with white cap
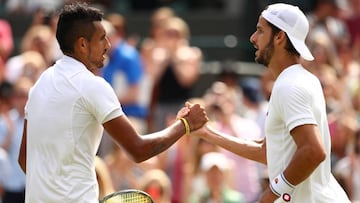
{"x":296,"y":147}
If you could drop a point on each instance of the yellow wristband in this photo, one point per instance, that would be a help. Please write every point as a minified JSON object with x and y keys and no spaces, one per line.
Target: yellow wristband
{"x":187,"y":126}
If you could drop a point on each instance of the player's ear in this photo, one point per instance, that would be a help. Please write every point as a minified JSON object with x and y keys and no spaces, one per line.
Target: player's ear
{"x":280,"y":37}
{"x":81,"y":44}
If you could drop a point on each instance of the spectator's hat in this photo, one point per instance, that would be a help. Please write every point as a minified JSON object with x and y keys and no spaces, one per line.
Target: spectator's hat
{"x":214,"y":159}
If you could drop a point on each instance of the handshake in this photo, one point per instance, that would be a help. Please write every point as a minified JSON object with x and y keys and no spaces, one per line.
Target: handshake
{"x":193,"y":116}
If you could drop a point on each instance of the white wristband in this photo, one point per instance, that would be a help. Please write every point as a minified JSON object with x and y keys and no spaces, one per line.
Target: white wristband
{"x":282,"y":188}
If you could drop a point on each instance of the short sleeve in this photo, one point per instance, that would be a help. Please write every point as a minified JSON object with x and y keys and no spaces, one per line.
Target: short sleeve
{"x":295,"y":106}
{"x":101,"y":100}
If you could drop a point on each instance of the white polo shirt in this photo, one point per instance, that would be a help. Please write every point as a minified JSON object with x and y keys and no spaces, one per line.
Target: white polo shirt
{"x":65,"y":112}
{"x":297,"y":99}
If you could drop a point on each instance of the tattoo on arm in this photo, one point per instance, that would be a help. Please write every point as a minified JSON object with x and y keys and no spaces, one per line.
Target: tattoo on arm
{"x":158,"y":148}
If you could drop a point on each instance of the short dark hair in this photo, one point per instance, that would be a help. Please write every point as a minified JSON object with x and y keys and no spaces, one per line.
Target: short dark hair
{"x":289,"y":46}
{"x":357,"y":140}
{"x":6,"y":91}
{"x":76,"y":20}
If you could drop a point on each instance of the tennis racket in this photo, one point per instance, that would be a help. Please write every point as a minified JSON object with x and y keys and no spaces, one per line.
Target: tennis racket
{"x":128,"y":196}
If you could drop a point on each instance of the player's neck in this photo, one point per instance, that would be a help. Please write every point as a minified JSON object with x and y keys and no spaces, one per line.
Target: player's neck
{"x":279,"y":64}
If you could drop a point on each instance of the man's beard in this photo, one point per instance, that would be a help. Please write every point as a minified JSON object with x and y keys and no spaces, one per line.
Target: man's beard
{"x":266,"y":54}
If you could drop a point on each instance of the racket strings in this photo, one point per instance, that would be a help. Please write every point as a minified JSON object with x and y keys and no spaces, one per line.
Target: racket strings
{"x":129,"y":198}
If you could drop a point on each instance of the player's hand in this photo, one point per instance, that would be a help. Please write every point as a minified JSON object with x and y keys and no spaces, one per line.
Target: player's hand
{"x":204,"y":132}
{"x":196,"y":116}
{"x":184,"y":111}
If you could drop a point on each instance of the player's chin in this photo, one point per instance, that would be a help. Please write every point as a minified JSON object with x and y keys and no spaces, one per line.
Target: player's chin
{"x":98,"y":65}
{"x":101,"y":62}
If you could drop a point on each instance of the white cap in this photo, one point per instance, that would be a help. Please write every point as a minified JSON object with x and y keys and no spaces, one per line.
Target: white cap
{"x":293,"y":22}
{"x":212,"y":159}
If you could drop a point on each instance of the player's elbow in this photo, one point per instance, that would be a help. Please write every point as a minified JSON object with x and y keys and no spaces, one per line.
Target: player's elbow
{"x":317,"y":155}
{"x":321,"y":156}
{"x":138,"y":156}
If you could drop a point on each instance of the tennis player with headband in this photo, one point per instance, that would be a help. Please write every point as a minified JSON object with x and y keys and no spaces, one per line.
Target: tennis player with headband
{"x":296,"y":147}
{"x":67,"y":110}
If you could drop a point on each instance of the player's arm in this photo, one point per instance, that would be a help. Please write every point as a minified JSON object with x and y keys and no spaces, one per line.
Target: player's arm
{"x":250,"y":149}
{"x":143,"y":147}
{"x":309,"y":154}
{"x":22,"y":153}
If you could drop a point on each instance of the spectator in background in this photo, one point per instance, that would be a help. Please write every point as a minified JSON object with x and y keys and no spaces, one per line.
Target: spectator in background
{"x":28,"y":64}
{"x":38,"y":48}
{"x":175,"y":67}
{"x":123,"y":171}
{"x":350,"y":68}
{"x":31,"y":6}
{"x":255,"y":106}
{"x":324,"y":54}
{"x":230,"y":77}
{"x":352,"y":20}
{"x":44,"y":16}
{"x":157,"y":184}
{"x":6,"y":130}
{"x":15,"y":181}
{"x":340,"y":114}
{"x":39,"y":38}
{"x":193,"y":180}
{"x":124,"y":71}
{"x":157,"y":33}
{"x":267,"y":82}
{"x":216,"y":167}
{"x":4,"y":169}
{"x":34,"y":56}
{"x":356,"y":104}
{"x":347,"y":170}
{"x":152,"y":49}
{"x":103,"y":178}
{"x":6,"y":123}
{"x":221,"y":102}
{"x":324,"y":21}
{"x":6,"y":45}
{"x":6,"y":40}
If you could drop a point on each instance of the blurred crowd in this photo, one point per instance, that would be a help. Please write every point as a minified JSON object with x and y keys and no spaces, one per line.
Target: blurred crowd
{"x":154,"y":79}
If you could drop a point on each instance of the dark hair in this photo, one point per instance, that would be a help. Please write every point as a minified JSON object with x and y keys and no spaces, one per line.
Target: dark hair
{"x":76,"y":20}
{"x":6,"y":91}
{"x":357,"y":140}
{"x":289,"y":46}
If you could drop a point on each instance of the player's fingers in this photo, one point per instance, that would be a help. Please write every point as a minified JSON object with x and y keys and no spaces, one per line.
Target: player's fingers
{"x":183,"y":112}
{"x":189,"y":104}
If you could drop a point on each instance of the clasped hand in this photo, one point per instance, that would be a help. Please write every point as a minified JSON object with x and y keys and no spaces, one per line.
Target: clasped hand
{"x":194,"y":114}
